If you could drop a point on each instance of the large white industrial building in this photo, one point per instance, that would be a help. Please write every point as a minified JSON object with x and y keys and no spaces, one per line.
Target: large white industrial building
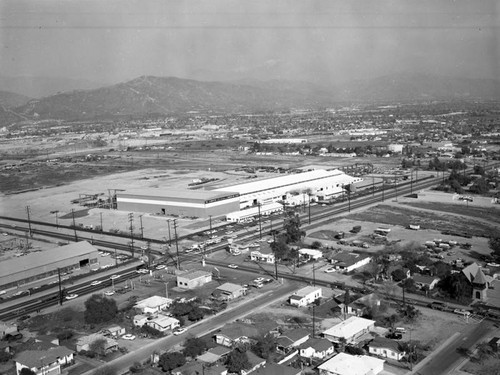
{"x":293,"y":188}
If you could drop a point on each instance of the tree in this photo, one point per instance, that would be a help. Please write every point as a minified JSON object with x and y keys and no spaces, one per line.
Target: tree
{"x":409,"y":313}
{"x":169,"y":361}
{"x":480,"y":186}
{"x":195,"y":314}
{"x":494,"y":244}
{"x":280,"y":248}
{"x":4,"y":356}
{"x":99,"y":309}
{"x":264,"y":345}
{"x":292,"y":228}
{"x":398,"y":274}
{"x":484,"y":351}
{"x":316,"y":245}
{"x":98,"y":346}
{"x":194,"y":346}
{"x":237,"y":361}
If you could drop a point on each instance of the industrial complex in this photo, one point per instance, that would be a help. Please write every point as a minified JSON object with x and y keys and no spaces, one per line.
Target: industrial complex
{"x":292,"y":189}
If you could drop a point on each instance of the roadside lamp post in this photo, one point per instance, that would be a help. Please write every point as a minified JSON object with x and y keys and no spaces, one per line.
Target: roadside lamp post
{"x":142,"y":228}
{"x":102,"y":229}
{"x":309,"y":208}
{"x":74,"y":224}
{"x":411,"y":181}
{"x":210,"y":221}
{"x":176,"y":244}
{"x":29,"y":220}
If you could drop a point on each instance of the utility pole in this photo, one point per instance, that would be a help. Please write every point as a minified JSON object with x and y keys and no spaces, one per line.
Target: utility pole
{"x":309,"y":196}
{"x":176,"y":243}
{"x":102,"y":229}
{"x":74,"y":224}
{"x":29,"y":220}
{"x":60,"y":287}
{"x":383,"y":188}
{"x":210,"y":221}
{"x":260,"y":223}
{"x":169,"y":236}
{"x":142,"y":228}
{"x":131,"y":221}
{"x":411,"y":181}
{"x":396,"y":187}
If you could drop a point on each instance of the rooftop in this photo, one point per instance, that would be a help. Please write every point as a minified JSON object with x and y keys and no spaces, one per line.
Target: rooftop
{"x":164,"y":192}
{"x":194,"y":274}
{"x":346,"y":364}
{"x":38,"y":358}
{"x":229,"y":287}
{"x":307,"y":290}
{"x":349,"y":327}
{"x":383,"y":342}
{"x":317,"y":344}
{"x":153,"y":302}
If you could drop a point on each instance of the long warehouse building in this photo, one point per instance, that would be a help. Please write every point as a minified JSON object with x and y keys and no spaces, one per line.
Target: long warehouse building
{"x":40,"y":265}
{"x":293,"y":189}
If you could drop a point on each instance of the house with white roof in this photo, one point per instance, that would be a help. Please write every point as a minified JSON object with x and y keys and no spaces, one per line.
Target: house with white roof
{"x":310,"y":254}
{"x":229,"y":291}
{"x":316,"y":348}
{"x":163,"y":323}
{"x":348,"y":330}
{"x":305,"y":296}
{"x":193,"y":278}
{"x":153,"y":304}
{"x":262,"y":256}
{"x":347,"y":364}
{"x":386,"y":348}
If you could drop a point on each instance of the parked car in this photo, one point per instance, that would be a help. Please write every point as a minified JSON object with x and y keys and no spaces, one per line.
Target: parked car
{"x":114,"y":277}
{"x":330,"y":269}
{"x":95,"y":282}
{"x":109,"y":293}
{"x":160,"y":266}
{"x":180,"y":331}
{"x":128,"y":336}
{"x":71,"y":296}
{"x":233,"y":266}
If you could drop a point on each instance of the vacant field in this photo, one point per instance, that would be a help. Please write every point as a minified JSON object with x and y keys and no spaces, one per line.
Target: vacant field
{"x":403,"y":216}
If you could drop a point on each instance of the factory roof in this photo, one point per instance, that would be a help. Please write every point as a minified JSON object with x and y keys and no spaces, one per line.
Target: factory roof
{"x":45,"y":257}
{"x":282,"y":181}
{"x":166,"y":192}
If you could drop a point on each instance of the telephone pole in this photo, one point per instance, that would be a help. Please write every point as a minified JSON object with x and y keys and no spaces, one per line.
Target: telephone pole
{"x":176,"y":243}
{"x":260,"y":223}
{"x":169,"y":236}
{"x":29,"y":220}
{"x":142,"y":228}
{"x":74,"y":224}
{"x":131,"y":221}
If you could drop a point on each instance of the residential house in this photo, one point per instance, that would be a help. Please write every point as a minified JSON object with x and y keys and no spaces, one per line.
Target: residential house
{"x":305,"y":296}
{"x":193,"y":279}
{"x":113,"y":331}
{"x":349,"y":330}
{"x":153,"y":304}
{"x":310,"y":254}
{"x":347,"y":262}
{"x":84,"y":342}
{"x":365,"y":304}
{"x":494,"y":343}
{"x":255,"y":363}
{"x":316,"y":348}
{"x":262,"y":255}
{"x":347,"y":364}
{"x":213,"y":355}
{"x":425,"y":282}
{"x":44,"y":362}
{"x":163,"y":323}
{"x":229,"y":291}
{"x":386,"y":348}
{"x":291,"y":339}
{"x":7,"y":329}
{"x":139,"y":320}
{"x":235,"y":333}
{"x":276,"y":369}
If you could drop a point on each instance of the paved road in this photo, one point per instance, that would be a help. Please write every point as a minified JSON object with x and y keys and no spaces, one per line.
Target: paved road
{"x":205,"y":326}
{"x":445,"y":360}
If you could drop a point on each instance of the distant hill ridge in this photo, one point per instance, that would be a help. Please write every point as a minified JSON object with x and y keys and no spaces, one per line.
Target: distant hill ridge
{"x":167,"y":95}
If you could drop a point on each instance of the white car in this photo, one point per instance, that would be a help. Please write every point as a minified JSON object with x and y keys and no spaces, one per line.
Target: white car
{"x":160,"y":266}
{"x":142,"y":270}
{"x":233,"y":266}
{"x":128,"y":336}
{"x":109,"y":293}
{"x":180,"y":331}
{"x":71,"y":296}
{"x":330,"y":269}
{"x":95,"y":282}
{"x":114,"y":277}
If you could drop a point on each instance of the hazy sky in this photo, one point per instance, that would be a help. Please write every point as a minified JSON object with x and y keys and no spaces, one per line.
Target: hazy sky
{"x":327,"y":40}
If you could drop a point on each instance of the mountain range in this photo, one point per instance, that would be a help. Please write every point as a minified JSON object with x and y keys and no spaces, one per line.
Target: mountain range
{"x":167,"y":95}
